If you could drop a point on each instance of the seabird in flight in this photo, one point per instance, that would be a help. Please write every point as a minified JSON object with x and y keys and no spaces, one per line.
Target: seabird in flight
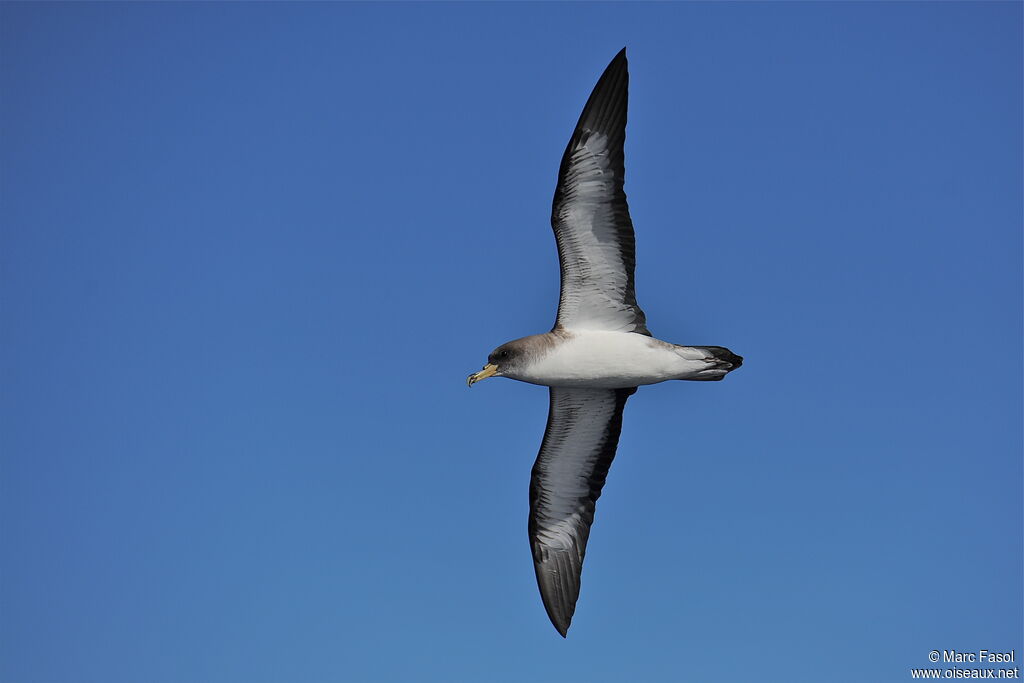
{"x":599,"y":350}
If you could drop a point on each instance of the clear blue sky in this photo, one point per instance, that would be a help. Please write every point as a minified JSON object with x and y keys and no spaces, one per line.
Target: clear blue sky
{"x":250,"y":253}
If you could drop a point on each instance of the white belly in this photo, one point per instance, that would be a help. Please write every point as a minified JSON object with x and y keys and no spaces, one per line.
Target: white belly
{"x":609,"y":360}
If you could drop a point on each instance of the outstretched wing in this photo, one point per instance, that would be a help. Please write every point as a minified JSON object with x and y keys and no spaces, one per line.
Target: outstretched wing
{"x":590,"y":217}
{"x":579,"y":445}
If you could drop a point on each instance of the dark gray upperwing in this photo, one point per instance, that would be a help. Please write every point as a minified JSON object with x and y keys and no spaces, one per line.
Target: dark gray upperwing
{"x":590,"y":217}
{"x":579,"y":445}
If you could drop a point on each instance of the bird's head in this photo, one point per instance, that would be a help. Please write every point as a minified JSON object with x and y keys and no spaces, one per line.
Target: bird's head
{"x":503,"y":361}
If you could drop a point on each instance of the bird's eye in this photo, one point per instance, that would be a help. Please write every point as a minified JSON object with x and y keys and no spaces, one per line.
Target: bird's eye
{"x":503,"y":354}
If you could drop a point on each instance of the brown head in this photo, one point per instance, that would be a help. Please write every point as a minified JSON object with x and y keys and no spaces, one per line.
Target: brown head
{"x":509,"y":358}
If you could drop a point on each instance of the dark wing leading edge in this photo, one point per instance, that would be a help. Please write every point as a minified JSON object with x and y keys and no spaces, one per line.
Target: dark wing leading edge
{"x":596,"y":246}
{"x":579,"y":445}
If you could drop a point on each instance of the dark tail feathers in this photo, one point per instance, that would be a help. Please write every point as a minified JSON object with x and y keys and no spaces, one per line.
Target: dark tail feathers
{"x":723,"y":361}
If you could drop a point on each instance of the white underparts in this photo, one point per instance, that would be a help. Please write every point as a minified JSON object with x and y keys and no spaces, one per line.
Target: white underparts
{"x":611,"y":360}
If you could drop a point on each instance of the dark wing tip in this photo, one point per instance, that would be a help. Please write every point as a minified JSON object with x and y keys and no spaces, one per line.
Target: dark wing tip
{"x":560,"y":617}
{"x":559,"y":620}
{"x":605,"y":110}
{"x":619,"y":64}
{"x":558,"y":577}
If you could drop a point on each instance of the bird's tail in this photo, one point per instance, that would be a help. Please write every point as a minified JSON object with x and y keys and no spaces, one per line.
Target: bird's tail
{"x":719,"y":360}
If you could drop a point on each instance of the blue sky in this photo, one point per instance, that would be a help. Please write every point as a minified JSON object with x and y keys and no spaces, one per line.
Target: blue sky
{"x":250,"y":253}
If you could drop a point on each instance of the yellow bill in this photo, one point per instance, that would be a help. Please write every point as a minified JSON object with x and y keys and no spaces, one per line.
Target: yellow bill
{"x":488,"y":371}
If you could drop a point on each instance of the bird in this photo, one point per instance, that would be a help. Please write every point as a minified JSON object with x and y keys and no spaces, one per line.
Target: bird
{"x":598,"y":352}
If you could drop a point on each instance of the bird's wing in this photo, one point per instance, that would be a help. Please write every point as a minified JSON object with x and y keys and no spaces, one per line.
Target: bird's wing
{"x":596,"y":246}
{"x":578,"y":448}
